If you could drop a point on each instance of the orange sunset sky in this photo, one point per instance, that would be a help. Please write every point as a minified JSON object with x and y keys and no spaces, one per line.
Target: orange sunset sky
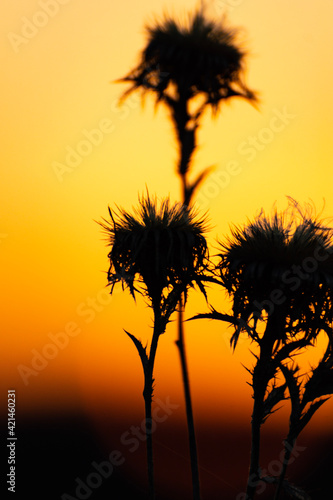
{"x":58,"y":177}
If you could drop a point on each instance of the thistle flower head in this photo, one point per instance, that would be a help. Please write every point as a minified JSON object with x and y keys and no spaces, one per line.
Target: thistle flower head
{"x":201,"y":57}
{"x":283,"y":262}
{"x":160,"y":247}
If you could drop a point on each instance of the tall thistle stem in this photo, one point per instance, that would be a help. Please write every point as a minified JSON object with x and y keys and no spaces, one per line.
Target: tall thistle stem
{"x":254,"y":477}
{"x":186,"y":141}
{"x":261,"y":377}
{"x":288,"y":448}
{"x":149,"y":440}
{"x":188,"y":403}
{"x":148,"y":396}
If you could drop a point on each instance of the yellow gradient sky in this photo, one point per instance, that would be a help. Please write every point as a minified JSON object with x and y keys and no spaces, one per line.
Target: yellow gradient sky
{"x":55,"y":90}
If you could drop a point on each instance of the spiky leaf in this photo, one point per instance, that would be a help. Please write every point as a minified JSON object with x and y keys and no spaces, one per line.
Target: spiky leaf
{"x":274,"y":397}
{"x":141,"y":350}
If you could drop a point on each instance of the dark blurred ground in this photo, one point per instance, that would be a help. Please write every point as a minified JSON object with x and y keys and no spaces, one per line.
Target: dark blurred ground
{"x":52,"y":452}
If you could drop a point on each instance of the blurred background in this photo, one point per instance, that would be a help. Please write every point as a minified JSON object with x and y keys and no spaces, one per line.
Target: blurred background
{"x":77,"y":376}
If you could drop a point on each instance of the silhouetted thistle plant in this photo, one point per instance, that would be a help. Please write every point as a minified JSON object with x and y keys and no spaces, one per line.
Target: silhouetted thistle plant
{"x":179,"y":64}
{"x":159,"y":252}
{"x":307,"y":395}
{"x":278,"y":271}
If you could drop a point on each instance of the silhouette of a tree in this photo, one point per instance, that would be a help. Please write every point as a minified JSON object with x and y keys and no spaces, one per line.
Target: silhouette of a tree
{"x":189,"y":68}
{"x":278,"y":271}
{"x":159,"y":252}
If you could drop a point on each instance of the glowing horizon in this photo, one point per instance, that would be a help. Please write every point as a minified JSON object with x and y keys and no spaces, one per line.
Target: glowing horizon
{"x":70,"y":151}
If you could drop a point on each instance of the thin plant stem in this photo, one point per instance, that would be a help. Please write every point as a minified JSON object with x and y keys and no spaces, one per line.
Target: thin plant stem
{"x":149,"y":446}
{"x":148,"y":396}
{"x":253,"y":478}
{"x":188,"y":404}
{"x":261,"y":378}
{"x":287,"y":452}
{"x":186,"y":151}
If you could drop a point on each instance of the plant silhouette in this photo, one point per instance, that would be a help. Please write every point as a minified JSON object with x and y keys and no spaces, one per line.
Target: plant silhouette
{"x":183,"y":64}
{"x":159,"y":252}
{"x":278,"y":271}
{"x":189,"y":68}
{"x":307,"y":396}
